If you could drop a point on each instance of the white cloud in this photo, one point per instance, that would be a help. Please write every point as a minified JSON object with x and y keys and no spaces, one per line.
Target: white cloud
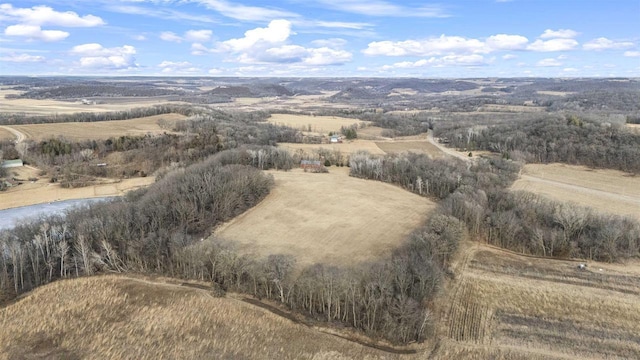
{"x":552,"y":45}
{"x":139,"y":37}
{"x":383,"y":8}
{"x":632,"y":53}
{"x":559,"y":34}
{"x":170,"y":36}
{"x":336,"y":24}
{"x":429,"y":47}
{"x":270,"y":45}
{"x":96,"y":56}
{"x":198,"y":35}
{"x":277,"y":31}
{"x":448,"y":60}
{"x":245,"y":13}
{"x":603,"y":43}
{"x":22,"y":58}
{"x":44,"y":15}
{"x":215,"y":71}
{"x":160,"y":13}
{"x":331,"y":43}
{"x":549,"y":62}
{"x":507,"y":42}
{"x":199,"y":49}
{"x":178,"y":67}
{"x":509,"y":56}
{"x":34,"y":32}
{"x":570,"y":70}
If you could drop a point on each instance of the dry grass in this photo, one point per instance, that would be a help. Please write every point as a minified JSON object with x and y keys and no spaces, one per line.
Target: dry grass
{"x":319,"y":124}
{"x":42,"y":191}
{"x":634,"y":127}
{"x":416,"y":146}
{"x":347,"y":147}
{"x":48,"y":107}
{"x":504,"y":305}
{"x":555,"y":93}
{"x":609,"y":191}
{"x":329,"y":218}
{"x":110,"y":317}
{"x":99,"y":130}
{"x":6,"y":135}
{"x":510,"y":108}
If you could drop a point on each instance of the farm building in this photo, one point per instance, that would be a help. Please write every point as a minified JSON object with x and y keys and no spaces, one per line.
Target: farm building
{"x":12,"y":163}
{"x":335,"y":139}
{"x":311,"y":164}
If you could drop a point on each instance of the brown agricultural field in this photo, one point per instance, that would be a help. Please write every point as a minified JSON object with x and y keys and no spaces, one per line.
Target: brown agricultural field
{"x":6,"y":134}
{"x":111,"y":317}
{"x":48,"y":107}
{"x":319,"y":124}
{"x":416,"y":146}
{"x":510,"y":306}
{"x":99,"y":129}
{"x":609,"y":191}
{"x":329,"y":218}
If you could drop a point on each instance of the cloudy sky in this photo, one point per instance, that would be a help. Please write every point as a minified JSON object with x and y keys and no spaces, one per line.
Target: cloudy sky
{"x":455,"y":38}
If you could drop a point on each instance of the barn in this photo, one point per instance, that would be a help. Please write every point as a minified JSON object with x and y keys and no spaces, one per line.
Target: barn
{"x":335,"y":139}
{"x":311,"y":164}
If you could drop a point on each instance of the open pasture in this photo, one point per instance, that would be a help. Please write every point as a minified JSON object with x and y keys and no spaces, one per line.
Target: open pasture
{"x":6,"y":134}
{"x":416,"y":146}
{"x":318,"y":124}
{"x":78,"y":131}
{"x":112,"y":317}
{"x":48,"y":106}
{"x":603,"y":190}
{"x":508,"y":306}
{"x":328,"y":218}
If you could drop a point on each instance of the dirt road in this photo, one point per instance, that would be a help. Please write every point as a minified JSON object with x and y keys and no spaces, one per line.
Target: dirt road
{"x":445,"y":149}
{"x":20,"y":137}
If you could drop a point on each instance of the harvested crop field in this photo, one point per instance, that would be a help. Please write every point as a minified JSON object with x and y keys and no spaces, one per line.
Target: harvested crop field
{"x":99,"y":129}
{"x":6,"y":134}
{"x":604,"y":190}
{"x":347,"y":147}
{"x":112,"y":317}
{"x":416,"y":146}
{"x":48,"y":107}
{"x":318,"y":124}
{"x":511,"y":306}
{"x":328,"y":218}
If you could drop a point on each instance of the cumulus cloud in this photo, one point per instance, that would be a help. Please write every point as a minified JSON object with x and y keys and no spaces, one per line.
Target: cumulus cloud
{"x":22,"y":58}
{"x":448,"y":60}
{"x":549,"y":62}
{"x":509,"y":56}
{"x":559,"y":34}
{"x":632,"y":53}
{"x":44,"y":15}
{"x":603,"y":43}
{"x":35,"y":32}
{"x":270,"y":45}
{"x":553,"y":45}
{"x":331,"y":43}
{"x":178,"y":67}
{"x":198,"y":35}
{"x":507,"y":42}
{"x":433,"y":46}
{"x":96,"y":56}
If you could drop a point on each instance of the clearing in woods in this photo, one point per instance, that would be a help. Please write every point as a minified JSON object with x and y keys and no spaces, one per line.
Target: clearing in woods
{"x":509,"y":306}
{"x":328,"y":218}
{"x":347,"y":147}
{"x":113,"y":317}
{"x":319,"y":124}
{"x":78,"y":131}
{"x":605,"y":190}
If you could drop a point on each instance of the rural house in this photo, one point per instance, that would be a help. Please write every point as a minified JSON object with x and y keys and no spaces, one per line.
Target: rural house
{"x":12,"y":163}
{"x":335,"y":139}
{"x":311,"y":164}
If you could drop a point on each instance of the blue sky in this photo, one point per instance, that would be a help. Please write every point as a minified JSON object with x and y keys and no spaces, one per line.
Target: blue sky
{"x":470,"y":38}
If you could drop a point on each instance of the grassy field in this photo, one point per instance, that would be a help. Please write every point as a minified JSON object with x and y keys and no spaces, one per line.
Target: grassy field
{"x":48,"y":107}
{"x":6,"y":135}
{"x":604,"y":190}
{"x":416,"y":146}
{"x":505,"y":305}
{"x":319,"y":124}
{"x":98,"y":130}
{"x":110,"y":317}
{"x":330,"y":218}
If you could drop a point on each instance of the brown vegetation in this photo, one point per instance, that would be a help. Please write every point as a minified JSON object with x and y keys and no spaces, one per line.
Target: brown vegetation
{"x":316,"y":124}
{"x":328,"y":218}
{"x":77,"y":131}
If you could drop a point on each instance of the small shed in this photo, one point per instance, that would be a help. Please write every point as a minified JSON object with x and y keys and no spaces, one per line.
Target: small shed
{"x":12,"y":163}
{"x":335,"y":139}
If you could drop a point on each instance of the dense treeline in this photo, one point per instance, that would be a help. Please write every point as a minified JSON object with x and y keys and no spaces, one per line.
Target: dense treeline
{"x":96,"y":89}
{"x":567,"y":139}
{"x":477,"y":195}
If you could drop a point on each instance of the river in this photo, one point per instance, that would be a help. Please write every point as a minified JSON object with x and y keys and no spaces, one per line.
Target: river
{"x":10,"y":217}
